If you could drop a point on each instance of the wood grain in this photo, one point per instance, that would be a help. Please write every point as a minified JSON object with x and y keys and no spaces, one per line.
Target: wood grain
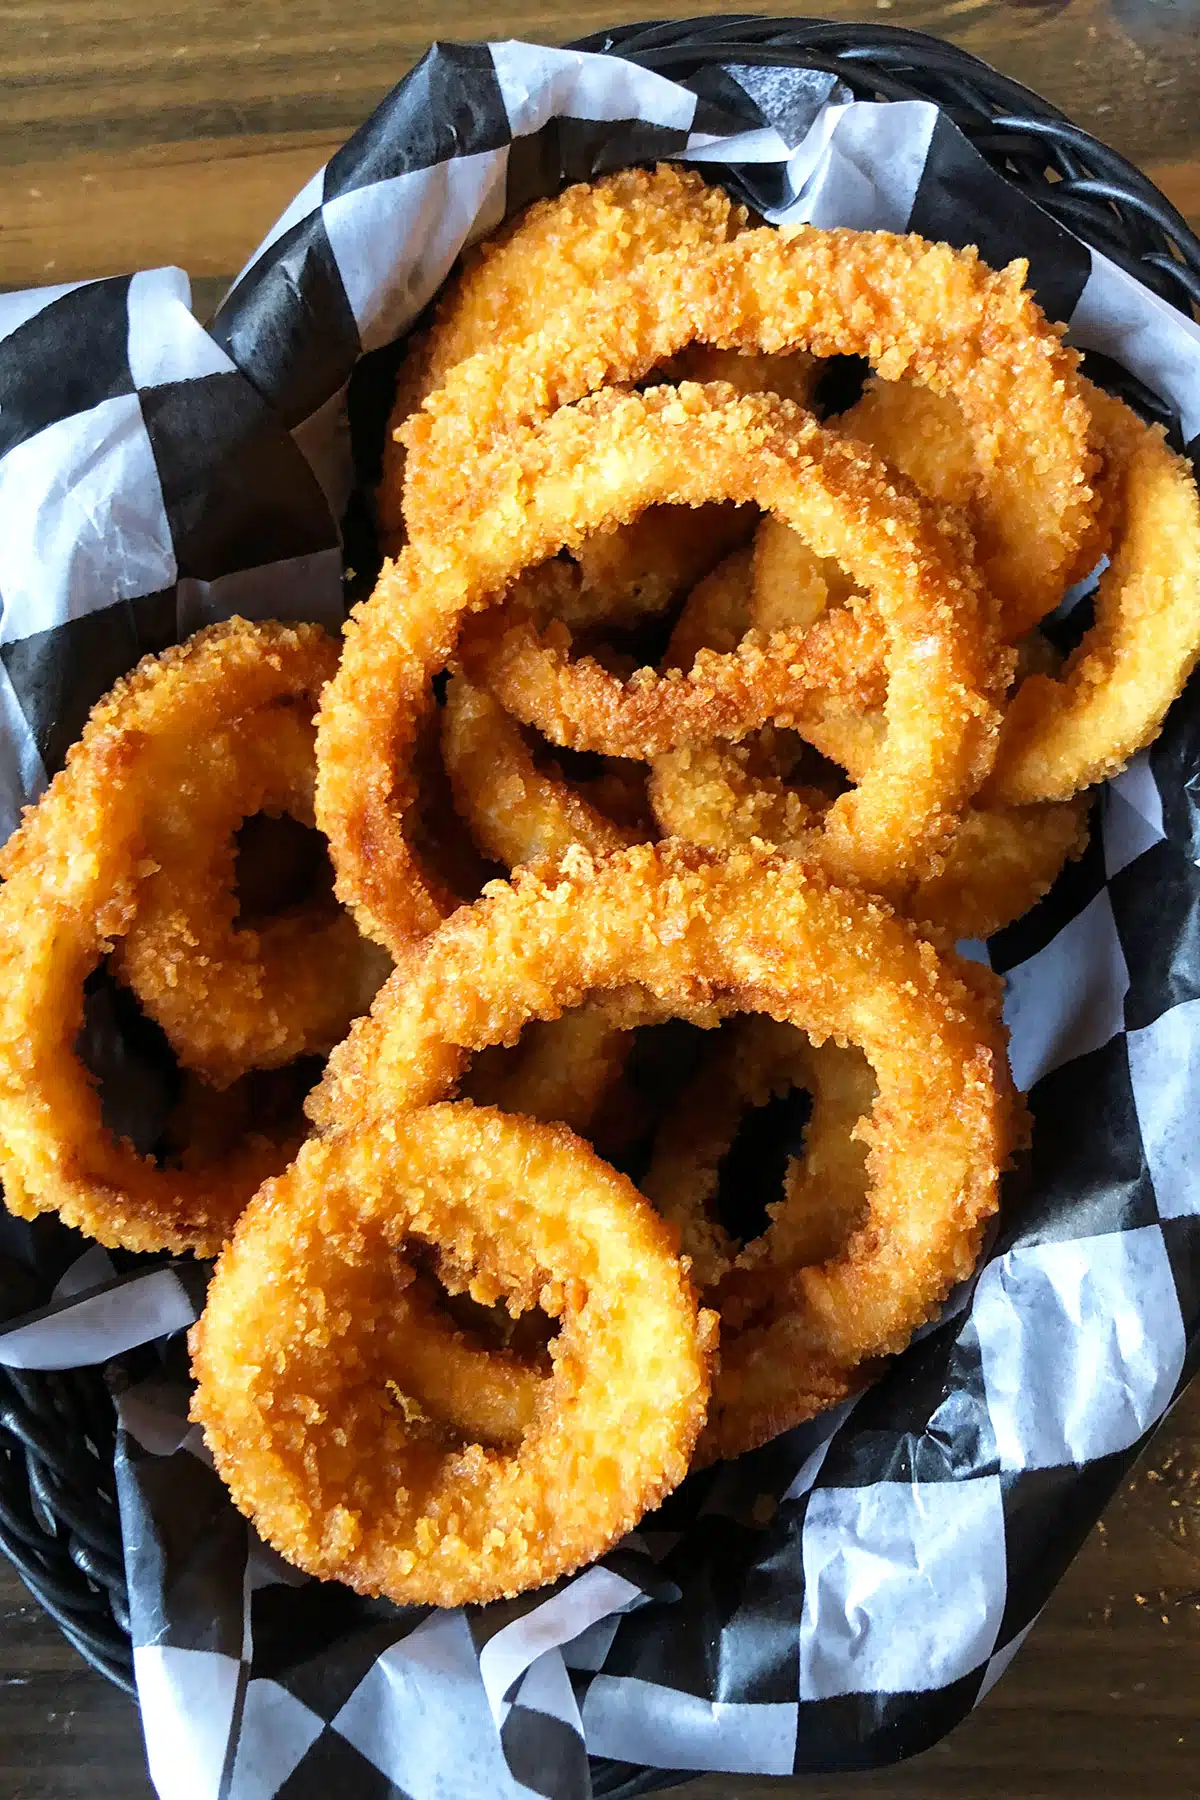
{"x":130,"y":135}
{"x":133,"y":208}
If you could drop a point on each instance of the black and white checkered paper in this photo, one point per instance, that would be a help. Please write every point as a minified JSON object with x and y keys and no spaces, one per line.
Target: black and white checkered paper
{"x":843,"y":1596}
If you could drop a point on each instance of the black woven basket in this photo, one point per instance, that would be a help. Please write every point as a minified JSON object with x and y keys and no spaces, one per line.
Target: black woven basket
{"x":58,"y":1507}
{"x":58,"y":1515}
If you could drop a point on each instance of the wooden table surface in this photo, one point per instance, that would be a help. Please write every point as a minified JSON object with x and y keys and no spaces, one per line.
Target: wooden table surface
{"x":130,"y":138}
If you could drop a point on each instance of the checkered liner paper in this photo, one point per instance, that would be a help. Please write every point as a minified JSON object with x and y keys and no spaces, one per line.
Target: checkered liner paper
{"x":844,"y":1595}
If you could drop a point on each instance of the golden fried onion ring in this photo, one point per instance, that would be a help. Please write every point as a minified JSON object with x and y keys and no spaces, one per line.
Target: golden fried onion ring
{"x":997,"y":863}
{"x":752,"y":1061}
{"x":522,"y":816}
{"x":825,"y":1188}
{"x":301,"y":1346}
{"x":1062,"y":732}
{"x":632,"y":572}
{"x":1067,"y":729}
{"x":585,"y":706}
{"x":554,"y":253}
{"x":232,"y":997}
{"x":607,"y":459}
{"x":825,"y":1192}
{"x":440,"y":1376}
{"x":560,"y":1072}
{"x":924,"y":311}
{"x":1064,"y":729}
{"x":927,"y":437}
{"x":72,"y":878}
{"x":549,"y":256}
{"x":517,"y":813}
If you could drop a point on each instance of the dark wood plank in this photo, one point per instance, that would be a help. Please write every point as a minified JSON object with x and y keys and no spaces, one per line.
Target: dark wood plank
{"x":65,"y":1733}
{"x":129,"y":134}
{"x":118,"y":74}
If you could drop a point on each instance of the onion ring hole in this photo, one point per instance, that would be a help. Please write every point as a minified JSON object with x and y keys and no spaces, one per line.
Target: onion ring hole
{"x":280,"y":864}
{"x":166,"y":1112}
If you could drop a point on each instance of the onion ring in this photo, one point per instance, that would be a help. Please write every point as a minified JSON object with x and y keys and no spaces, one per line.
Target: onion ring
{"x":792,"y":586}
{"x":997,"y":864}
{"x":441,"y":838}
{"x":632,"y":572}
{"x":488,"y":1395}
{"x":559,"y":1073}
{"x":724,"y":795}
{"x":583,"y":705}
{"x":1000,"y":862}
{"x":719,"y":612}
{"x":73,"y":872}
{"x":926,"y":436}
{"x":561,"y":1070}
{"x":230,"y":997}
{"x":550,"y":255}
{"x":788,"y":577}
{"x":825,"y":1188}
{"x":517,"y":813}
{"x":716,"y":616}
{"x":607,"y":459}
{"x":706,"y":936}
{"x":937,"y":315}
{"x":791,"y":376}
{"x":299,"y":1334}
{"x":1062,"y":733}
{"x":1068,"y":729}
{"x":789,"y":581}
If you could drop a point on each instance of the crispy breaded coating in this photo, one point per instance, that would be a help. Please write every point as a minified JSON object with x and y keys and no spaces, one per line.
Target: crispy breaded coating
{"x":300,"y":1359}
{"x":540,"y":262}
{"x":708,"y":935}
{"x":607,"y":459}
{"x":937,"y":316}
{"x":1062,"y":732}
{"x":73,"y":873}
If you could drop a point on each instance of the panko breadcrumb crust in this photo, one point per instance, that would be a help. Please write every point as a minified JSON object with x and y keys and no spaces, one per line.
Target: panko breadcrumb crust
{"x":301,"y":1336}
{"x":605,"y":460}
{"x":709,"y":935}
{"x":915,"y":310}
{"x":72,"y":876}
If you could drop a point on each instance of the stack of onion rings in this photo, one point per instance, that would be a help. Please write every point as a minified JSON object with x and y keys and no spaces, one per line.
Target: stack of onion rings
{"x":708,"y":935}
{"x":935,"y":315}
{"x":1000,"y":860}
{"x":640,"y":587}
{"x":687,"y":445}
{"x":579,"y":237}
